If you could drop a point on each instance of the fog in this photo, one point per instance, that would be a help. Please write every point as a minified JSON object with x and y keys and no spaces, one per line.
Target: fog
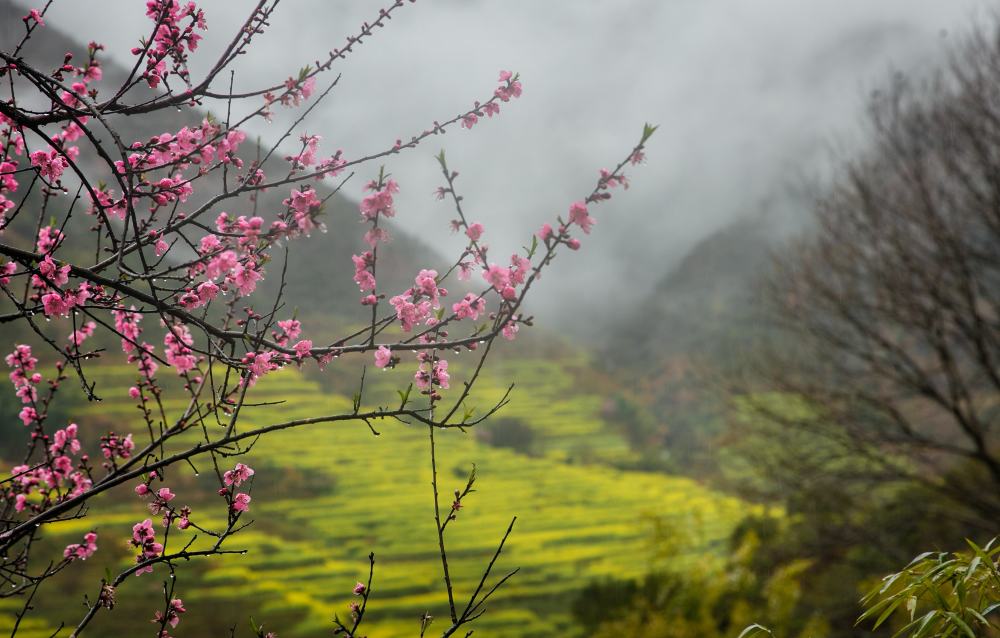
{"x":748,"y":94}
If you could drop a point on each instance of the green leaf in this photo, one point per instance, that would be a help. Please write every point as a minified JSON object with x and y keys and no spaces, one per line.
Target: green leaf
{"x":534,"y":246}
{"x":755,"y":630}
{"x":647,"y":132}
{"x":404,"y":397}
{"x":957,"y":620}
{"x":925,"y":624}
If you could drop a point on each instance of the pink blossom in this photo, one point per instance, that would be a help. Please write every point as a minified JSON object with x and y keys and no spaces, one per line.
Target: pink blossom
{"x":426,"y":284}
{"x":308,"y":87}
{"x":376,"y":235}
{"x":362,"y":273}
{"x":578,"y":215}
{"x":470,"y":307}
{"x":35,"y":15}
{"x":113,"y":446}
{"x":441,"y":373}
{"x":8,"y":268}
{"x":177,"y":348}
{"x":173,"y":616}
{"x":28,"y":415}
{"x":382,"y":357}
{"x":380,"y":201}
{"x":510,"y":330}
{"x":144,"y":538}
{"x":474,"y":231}
{"x":241,"y":502}
{"x":49,"y":239}
{"x":83,"y":550}
{"x":50,"y":164}
{"x":207,"y":291}
{"x":237,"y":475}
{"x":245,"y":276}
{"x":408,"y":312}
{"x":291,"y":327}
{"x":302,"y":348}
{"x":497,"y":276}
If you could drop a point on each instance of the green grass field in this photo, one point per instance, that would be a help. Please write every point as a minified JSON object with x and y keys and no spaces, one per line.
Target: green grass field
{"x":326,"y":495}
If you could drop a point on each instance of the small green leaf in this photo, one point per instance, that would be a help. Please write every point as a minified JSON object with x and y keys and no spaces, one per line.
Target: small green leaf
{"x":534,"y":246}
{"x":404,"y":397}
{"x":647,"y":132}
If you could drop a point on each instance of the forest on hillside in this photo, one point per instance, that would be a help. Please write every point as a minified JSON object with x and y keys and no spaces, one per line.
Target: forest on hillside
{"x":301,"y":350}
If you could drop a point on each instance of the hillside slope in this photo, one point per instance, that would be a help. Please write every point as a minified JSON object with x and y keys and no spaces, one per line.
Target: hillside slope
{"x":325,"y":496}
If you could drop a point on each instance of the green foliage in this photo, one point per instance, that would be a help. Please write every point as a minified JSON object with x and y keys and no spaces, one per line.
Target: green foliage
{"x":700,"y":601}
{"x":941,"y":594}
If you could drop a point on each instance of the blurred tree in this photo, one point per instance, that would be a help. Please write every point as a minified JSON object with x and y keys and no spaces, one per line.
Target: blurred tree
{"x":893,"y":303}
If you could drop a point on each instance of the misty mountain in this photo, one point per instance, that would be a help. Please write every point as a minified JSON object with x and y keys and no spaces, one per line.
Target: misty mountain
{"x":691,"y":329}
{"x":703,"y":305}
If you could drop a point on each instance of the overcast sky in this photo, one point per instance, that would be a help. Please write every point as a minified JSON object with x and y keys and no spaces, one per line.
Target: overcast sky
{"x":747,"y":93}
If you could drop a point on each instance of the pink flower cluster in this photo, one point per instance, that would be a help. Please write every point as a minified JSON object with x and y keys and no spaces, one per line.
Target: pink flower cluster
{"x":144,"y":538}
{"x":304,"y":208}
{"x":238,"y":475}
{"x":306,"y":157}
{"x":364,"y":275}
{"x":241,"y":502}
{"x":127,"y":325}
{"x":83,"y":550}
{"x":383,"y":357}
{"x":260,"y":363}
{"x":510,"y":88}
{"x":50,"y":164}
{"x":378,"y":204}
{"x":177,"y":348}
{"x":172,"y":617}
{"x":58,"y":478}
{"x":51,"y":277}
{"x":295,"y":92}
{"x":53,"y":161}
{"x":173,"y":39}
{"x":470,"y":307}
{"x":431,"y":371}
{"x":506,"y":279}
{"x":23,"y":375}
{"x":415,"y":305}
{"x":115,"y":446}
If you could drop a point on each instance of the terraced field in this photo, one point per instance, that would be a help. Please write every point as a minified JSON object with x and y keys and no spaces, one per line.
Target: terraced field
{"x":326,"y":495}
